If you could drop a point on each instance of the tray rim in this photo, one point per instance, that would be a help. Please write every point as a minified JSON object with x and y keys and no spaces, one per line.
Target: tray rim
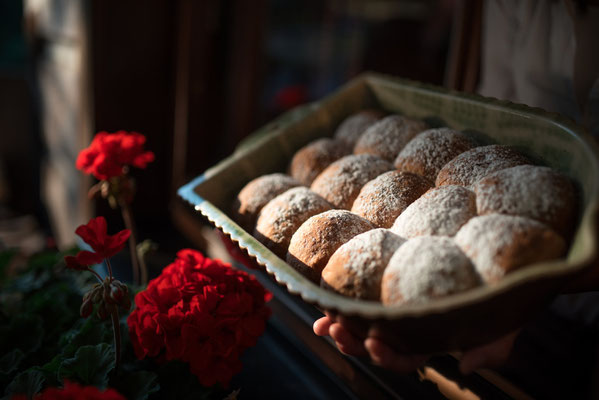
{"x":296,"y":284}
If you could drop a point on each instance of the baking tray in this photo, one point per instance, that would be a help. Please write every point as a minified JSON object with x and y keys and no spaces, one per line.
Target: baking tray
{"x":457,"y":322}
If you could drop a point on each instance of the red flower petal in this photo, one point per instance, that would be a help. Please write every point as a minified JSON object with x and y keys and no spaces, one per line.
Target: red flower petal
{"x":85,"y":257}
{"x":200,"y":311}
{"x":72,"y":263}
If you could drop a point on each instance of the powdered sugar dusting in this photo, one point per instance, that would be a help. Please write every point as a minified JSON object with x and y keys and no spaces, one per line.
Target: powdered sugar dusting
{"x":536,"y":192}
{"x":318,"y":238}
{"x":282,"y":216}
{"x":388,"y":136}
{"x":354,"y":126}
{"x":440,"y":211}
{"x":340,"y":182}
{"x":384,"y":198}
{"x":356,"y":268}
{"x":428,"y":152}
{"x":313,"y":158}
{"x":495,"y":243}
{"x":471,"y":166}
{"x":426,"y":268}
{"x":256,"y":194}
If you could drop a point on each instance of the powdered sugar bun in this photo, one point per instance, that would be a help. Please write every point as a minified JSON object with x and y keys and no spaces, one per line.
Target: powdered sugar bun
{"x":428,"y":152}
{"x":426,"y":268}
{"x":312,"y":159}
{"x":340,"y":182}
{"x":385,"y":197}
{"x":498,"y":244}
{"x":388,"y":136}
{"x":356,"y":268}
{"x":440,"y":211}
{"x":355,"y":125}
{"x":256,"y":194}
{"x":540,"y":193}
{"x":284,"y":214}
{"x":317,"y":239}
{"x":471,"y":166}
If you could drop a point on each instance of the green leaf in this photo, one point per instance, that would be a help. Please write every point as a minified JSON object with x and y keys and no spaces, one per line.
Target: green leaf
{"x":24,"y":332}
{"x":85,"y":332}
{"x":28,"y":383}
{"x":136,"y":385}
{"x":90,"y":365}
{"x":10,"y":361}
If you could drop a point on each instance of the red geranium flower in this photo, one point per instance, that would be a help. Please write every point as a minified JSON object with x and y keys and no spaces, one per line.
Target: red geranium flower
{"x":94,"y":234}
{"x":109,"y":153}
{"x":200,"y":311}
{"x":74,"y":391}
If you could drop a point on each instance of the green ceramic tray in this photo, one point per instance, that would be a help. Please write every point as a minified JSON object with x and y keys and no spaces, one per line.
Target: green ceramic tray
{"x":456,"y":322}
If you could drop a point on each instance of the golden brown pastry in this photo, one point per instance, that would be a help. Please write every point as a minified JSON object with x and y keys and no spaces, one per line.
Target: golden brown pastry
{"x":312,"y":159}
{"x":317,"y":239}
{"x":340,"y":182}
{"x":428,"y":152}
{"x":356,"y":268}
{"x":427,"y":268}
{"x":283,"y":215}
{"x":385,"y":197}
{"x":540,"y":193}
{"x":440,"y":211}
{"x":388,"y":136}
{"x":351,"y":128}
{"x":471,"y":166}
{"x":256,"y":194}
{"x":498,"y":244}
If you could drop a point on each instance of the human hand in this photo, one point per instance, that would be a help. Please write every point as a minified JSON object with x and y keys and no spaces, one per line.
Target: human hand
{"x":490,"y":355}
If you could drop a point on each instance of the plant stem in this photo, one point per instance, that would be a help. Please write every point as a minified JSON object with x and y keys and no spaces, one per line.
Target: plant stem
{"x":109,"y":268}
{"x":95,"y":273}
{"x":138,"y":263}
{"x":116,"y":329}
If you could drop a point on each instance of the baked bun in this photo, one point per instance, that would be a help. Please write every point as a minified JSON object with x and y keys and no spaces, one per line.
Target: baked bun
{"x":471,"y":166}
{"x":440,"y":211}
{"x":540,"y":193}
{"x":283,"y":215}
{"x":312,"y":159}
{"x":385,"y":197}
{"x":426,"y":268}
{"x":386,"y":137}
{"x":256,"y":194}
{"x":356,"y":268}
{"x":355,"y":125}
{"x":428,"y":152}
{"x":340,"y":182}
{"x":317,"y":239}
{"x":498,"y":244}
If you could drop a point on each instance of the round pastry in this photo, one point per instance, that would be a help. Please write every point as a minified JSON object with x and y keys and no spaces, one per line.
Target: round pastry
{"x":385,"y":197}
{"x":471,"y":166}
{"x":498,"y":244}
{"x":386,"y":138}
{"x":426,"y":268}
{"x":283,"y":215}
{"x":440,"y":211}
{"x":312,"y":159}
{"x":428,"y":152}
{"x":317,"y":239}
{"x":354,"y":126}
{"x":356,"y":268}
{"x":340,"y":182}
{"x":540,"y":193}
{"x":256,"y":194}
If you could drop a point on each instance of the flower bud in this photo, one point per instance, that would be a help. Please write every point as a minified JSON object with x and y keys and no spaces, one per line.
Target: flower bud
{"x":116,"y":294}
{"x":86,"y":308}
{"x":102,"y":311}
